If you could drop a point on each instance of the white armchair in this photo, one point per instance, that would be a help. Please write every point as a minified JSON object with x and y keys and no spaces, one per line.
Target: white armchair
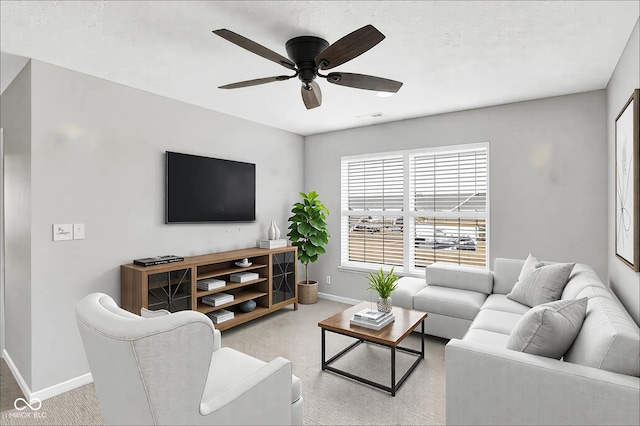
{"x":171,"y":369}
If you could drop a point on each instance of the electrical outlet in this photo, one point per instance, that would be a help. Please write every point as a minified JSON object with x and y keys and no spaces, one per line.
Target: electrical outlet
{"x":78,"y":231}
{"x":328,"y":279}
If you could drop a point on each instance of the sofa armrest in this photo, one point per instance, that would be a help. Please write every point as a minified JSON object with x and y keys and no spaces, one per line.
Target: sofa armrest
{"x":491,"y":385}
{"x":463,"y":277}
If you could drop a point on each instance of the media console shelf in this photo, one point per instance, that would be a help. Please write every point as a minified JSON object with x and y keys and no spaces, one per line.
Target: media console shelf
{"x":173,"y":286}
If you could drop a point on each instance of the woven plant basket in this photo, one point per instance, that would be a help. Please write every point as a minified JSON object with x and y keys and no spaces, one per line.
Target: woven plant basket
{"x":307,"y":293}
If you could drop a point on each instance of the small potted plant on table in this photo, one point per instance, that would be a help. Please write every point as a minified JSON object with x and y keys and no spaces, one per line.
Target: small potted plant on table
{"x":384,"y":284}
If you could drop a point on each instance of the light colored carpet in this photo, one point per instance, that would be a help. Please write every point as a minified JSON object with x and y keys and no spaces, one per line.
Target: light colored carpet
{"x":9,"y":389}
{"x":329,"y":399}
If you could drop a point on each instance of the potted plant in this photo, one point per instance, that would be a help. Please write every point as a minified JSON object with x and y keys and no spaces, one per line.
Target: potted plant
{"x":384,"y":284}
{"x":308,"y":232}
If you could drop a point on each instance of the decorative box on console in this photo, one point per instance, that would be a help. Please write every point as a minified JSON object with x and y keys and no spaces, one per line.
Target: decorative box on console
{"x":271,"y":244}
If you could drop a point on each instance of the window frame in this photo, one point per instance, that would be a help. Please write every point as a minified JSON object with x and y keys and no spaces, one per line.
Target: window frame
{"x":408,"y":216}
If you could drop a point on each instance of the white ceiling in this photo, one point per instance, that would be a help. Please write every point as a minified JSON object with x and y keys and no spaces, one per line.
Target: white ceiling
{"x":451,"y":55}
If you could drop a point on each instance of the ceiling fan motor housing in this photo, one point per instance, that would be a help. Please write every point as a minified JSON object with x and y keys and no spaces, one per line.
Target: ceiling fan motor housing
{"x":303,"y":51}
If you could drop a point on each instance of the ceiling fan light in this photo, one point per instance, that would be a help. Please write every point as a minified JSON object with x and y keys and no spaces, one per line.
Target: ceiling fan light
{"x":385,"y":94}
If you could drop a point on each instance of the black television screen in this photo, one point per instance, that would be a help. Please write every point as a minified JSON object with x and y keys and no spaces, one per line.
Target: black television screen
{"x":203,"y":189}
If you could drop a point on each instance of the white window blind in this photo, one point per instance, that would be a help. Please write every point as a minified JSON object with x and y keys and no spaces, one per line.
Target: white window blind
{"x":449,"y":207}
{"x":413,"y":208}
{"x":373,"y":190}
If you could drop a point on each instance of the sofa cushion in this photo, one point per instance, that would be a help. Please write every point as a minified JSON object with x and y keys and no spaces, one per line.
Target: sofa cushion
{"x":539,"y":283}
{"x":505,"y":274}
{"x":582,"y":277}
{"x":445,"y":326}
{"x":591,"y":291}
{"x":608,"y":339}
{"x":549,"y":329}
{"x":496,"y":321}
{"x":452,"y":302}
{"x":464,"y":277}
{"x":500,"y":302}
{"x":407,"y":288}
{"x":486,"y":337}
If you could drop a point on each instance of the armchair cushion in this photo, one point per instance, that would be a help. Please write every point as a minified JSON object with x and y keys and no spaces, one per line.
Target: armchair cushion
{"x":146,"y":313}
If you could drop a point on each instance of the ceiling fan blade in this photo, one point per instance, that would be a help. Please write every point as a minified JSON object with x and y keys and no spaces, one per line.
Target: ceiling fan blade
{"x":349,"y":47}
{"x":256,"y":82}
{"x":254,"y":47}
{"x":312,"y":97}
{"x":361,"y":81}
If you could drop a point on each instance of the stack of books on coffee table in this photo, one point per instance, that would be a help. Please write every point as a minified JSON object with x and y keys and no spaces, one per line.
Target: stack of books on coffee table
{"x":372,"y":319}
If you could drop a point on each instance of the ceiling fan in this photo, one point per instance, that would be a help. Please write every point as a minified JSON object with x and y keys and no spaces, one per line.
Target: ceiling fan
{"x":308,"y":55}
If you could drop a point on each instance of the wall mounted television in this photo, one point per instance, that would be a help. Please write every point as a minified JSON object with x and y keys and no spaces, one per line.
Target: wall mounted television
{"x":204,"y":189}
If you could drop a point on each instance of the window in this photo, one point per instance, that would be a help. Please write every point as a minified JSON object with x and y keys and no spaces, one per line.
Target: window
{"x":412,"y":208}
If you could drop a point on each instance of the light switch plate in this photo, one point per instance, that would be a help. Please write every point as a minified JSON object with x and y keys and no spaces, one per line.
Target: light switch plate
{"x":62,"y":232}
{"x":78,"y":231}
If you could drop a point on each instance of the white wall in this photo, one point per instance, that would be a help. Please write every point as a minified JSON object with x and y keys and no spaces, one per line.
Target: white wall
{"x":548,"y":177}
{"x":16,"y":121}
{"x":625,"y":78}
{"x":97,"y":157}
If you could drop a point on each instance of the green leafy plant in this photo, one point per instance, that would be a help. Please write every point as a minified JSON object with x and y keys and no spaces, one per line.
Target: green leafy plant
{"x":383,"y":283}
{"x":308,"y":229}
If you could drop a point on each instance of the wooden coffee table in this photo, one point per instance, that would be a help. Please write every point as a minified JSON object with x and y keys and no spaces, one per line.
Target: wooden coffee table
{"x":406,"y":320}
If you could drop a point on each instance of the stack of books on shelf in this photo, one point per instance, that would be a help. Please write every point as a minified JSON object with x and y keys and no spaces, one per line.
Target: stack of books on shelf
{"x":242,"y":277}
{"x":217,"y":299}
{"x":210,"y":284}
{"x":271,"y":244}
{"x":372,"y":319}
{"x":221,"y":315}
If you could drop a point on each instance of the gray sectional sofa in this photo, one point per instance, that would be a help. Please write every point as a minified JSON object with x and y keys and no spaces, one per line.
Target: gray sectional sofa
{"x":595,"y":382}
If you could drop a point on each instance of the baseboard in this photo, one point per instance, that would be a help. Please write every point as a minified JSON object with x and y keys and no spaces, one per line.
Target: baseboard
{"x":340,"y":299}
{"x":63,"y":387}
{"x":45,"y":393}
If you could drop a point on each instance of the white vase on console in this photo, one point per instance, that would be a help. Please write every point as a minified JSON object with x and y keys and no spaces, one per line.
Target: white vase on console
{"x":274,"y":232}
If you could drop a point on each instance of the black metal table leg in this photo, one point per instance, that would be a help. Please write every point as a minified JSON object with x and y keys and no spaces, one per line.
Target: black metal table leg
{"x":393,"y":371}
{"x":422,"y":341}
{"x":324,"y":364}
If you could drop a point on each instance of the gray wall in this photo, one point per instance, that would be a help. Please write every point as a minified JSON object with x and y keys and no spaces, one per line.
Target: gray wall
{"x":625,"y":78}
{"x":97,"y":157}
{"x":548,"y":177}
{"x":16,"y":122}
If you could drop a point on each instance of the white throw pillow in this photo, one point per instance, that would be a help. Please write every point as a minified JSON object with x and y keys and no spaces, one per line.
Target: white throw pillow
{"x":549,"y":330}
{"x":539,"y":283}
